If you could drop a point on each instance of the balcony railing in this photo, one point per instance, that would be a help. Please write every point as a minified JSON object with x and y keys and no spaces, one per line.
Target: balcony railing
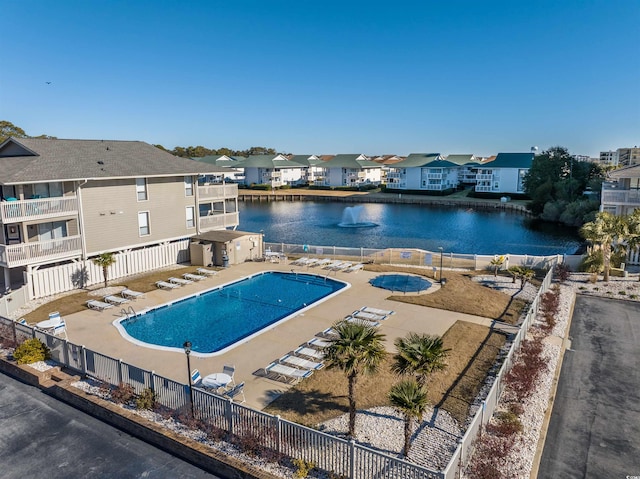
{"x":621,"y":196}
{"x":217,"y":192}
{"x":219,"y":221}
{"x":36,"y":252}
{"x":38,"y":209}
{"x":480,"y":177}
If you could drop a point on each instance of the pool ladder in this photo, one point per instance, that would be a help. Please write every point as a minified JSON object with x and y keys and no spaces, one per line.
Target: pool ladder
{"x":126,"y":312}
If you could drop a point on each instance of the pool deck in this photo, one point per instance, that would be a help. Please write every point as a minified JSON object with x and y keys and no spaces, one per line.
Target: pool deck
{"x":94,"y":329}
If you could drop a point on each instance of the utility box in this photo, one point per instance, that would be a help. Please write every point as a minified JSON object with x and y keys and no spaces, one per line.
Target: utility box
{"x":201,"y":253}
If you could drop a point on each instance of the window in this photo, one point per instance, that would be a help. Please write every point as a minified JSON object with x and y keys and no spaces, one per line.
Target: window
{"x":143,"y":223}
{"x":191,"y":217}
{"x":188,"y":186}
{"x":141,"y":189}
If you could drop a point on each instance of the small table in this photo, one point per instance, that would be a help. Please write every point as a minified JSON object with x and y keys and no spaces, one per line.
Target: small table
{"x":216,"y":380}
{"x":48,"y":324}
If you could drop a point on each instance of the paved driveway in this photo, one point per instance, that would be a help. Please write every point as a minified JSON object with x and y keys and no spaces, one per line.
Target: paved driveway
{"x":41,"y":437}
{"x":595,"y":423}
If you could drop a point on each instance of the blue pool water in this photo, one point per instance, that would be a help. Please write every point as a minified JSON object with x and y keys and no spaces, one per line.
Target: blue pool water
{"x":218,"y":319}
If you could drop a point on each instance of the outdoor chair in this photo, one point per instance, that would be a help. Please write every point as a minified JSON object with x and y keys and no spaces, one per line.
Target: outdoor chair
{"x":193,"y":277}
{"x":229,"y":369}
{"x":318,"y":343}
{"x":165,"y":285}
{"x":300,"y":362}
{"x":196,"y":378}
{"x":381,"y":312}
{"x":287,"y":373}
{"x":60,"y":329}
{"x":130,"y":294}
{"x":236,"y":392}
{"x":366,"y":315}
{"x":309,"y":352}
{"x":115,"y":300}
{"x":354,"y":269}
{"x":365,"y":322}
{"x":180,"y":281}
{"x":206,"y":272}
{"x":98,"y":305}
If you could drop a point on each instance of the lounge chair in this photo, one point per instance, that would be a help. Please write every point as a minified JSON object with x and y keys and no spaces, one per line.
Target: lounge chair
{"x":354,"y":269}
{"x":331,"y":264}
{"x":328,"y":333}
{"x":165,"y":285}
{"x":381,"y":312}
{"x":365,"y":322}
{"x":236,"y":392}
{"x":300,"y":261}
{"x":309,"y":352}
{"x":117,"y":300}
{"x":340,"y":266}
{"x":365,"y":315}
{"x":318,"y":343}
{"x":180,"y":281}
{"x":322,"y":262}
{"x":98,"y":305}
{"x":300,"y":362}
{"x":193,"y":277}
{"x":287,"y":372}
{"x":130,"y":294}
{"x":206,"y":272}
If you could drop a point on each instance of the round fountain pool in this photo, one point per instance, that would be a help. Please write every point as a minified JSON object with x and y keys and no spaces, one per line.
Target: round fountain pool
{"x":405,"y":283}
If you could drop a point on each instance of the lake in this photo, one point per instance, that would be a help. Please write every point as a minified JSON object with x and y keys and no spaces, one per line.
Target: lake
{"x":407,"y":226}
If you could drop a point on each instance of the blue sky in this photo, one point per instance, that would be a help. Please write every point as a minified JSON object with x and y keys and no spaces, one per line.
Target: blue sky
{"x":327,"y":77}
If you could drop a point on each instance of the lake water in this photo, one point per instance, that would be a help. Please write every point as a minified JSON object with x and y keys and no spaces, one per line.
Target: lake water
{"x":409,"y":226}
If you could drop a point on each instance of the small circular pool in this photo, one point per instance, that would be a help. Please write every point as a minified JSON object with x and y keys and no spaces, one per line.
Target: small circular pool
{"x":405,"y":283}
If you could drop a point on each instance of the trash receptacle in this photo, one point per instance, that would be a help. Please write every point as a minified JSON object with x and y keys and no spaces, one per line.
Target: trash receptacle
{"x":225,"y":260}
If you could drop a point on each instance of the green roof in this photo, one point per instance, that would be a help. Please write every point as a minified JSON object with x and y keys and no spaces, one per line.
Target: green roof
{"x":511,"y":160}
{"x":416,"y":160}
{"x":463,"y":159}
{"x":306,"y":160}
{"x":222,"y":161}
{"x":267,"y":161}
{"x":350,"y":161}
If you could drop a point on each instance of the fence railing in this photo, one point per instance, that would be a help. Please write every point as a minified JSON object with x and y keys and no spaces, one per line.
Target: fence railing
{"x":465,"y":447}
{"x":329,"y":453}
{"x":420,"y":257}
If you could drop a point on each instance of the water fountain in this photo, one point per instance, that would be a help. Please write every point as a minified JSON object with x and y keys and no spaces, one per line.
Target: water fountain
{"x":351,"y":218}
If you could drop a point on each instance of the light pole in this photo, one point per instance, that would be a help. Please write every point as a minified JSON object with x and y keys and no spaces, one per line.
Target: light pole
{"x":187,"y":351}
{"x":441,"y":252}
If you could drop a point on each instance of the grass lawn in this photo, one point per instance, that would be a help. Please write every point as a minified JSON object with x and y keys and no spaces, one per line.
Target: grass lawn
{"x":324,"y":395}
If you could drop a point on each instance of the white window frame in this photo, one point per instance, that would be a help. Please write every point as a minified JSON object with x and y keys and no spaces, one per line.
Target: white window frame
{"x":191,"y":217}
{"x":141,"y":188}
{"x":141,"y":225}
{"x":188,"y":186}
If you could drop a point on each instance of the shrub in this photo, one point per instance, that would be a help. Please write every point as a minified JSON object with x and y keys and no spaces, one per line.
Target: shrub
{"x":622,"y":293}
{"x":186,"y":418}
{"x":563,"y":272}
{"x":146,"y":400}
{"x":123,"y":394}
{"x":31,"y":351}
{"x":303,"y":468}
{"x":633,"y":296}
{"x":507,"y":423}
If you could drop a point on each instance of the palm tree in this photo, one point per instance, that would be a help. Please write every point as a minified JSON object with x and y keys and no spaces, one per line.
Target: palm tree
{"x":497,"y":262}
{"x":410,"y":399}
{"x":633,"y":231}
{"x":104,"y":261}
{"x":526,"y":275}
{"x":605,"y":231}
{"x":420,"y":355}
{"x":515,"y":272}
{"x":357,"y":349}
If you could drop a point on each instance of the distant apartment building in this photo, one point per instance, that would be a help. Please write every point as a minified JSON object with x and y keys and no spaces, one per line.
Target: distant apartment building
{"x":352,"y":170}
{"x":273,"y":170}
{"x":228,"y":166}
{"x":504,"y":174}
{"x":621,"y":195}
{"x":608,"y":158}
{"x":70,"y":200}
{"x":628,"y":156}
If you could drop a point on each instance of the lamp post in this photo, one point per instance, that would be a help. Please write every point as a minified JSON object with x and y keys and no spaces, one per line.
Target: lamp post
{"x":441,"y":252}
{"x":187,"y":351}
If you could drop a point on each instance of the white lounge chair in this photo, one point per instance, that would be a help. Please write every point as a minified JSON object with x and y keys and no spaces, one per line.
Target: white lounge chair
{"x":300,"y":261}
{"x":366,"y":322}
{"x":341,"y":266}
{"x":130,"y":294}
{"x":381,"y":312}
{"x":288,"y":373}
{"x":322,"y":262}
{"x":328,"y":333}
{"x":365,"y":315}
{"x":309,"y":352}
{"x":193,"y":277}
{"x":206,"y":272}
{"x":180,"y":281}
{"x":354,"y":269}
{"x":98,"y":305}
{"x":331,"y":264}
{"x":318,"y":343}
{"x":117,"y":300}
{"x":300,"y":362}
{"x":165,"y":285}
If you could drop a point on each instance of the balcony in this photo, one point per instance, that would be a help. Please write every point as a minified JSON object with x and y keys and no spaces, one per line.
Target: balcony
{"x":38,"y":209}
{"x":621,"y":197}
{"x":217,"y":192}
{"x":480,"y":177}
{"x":219,"y":221}
{"x":37,"y":252}
{"x":435,"y":176}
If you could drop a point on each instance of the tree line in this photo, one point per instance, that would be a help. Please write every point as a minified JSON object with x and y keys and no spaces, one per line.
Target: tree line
{"x":200,"y":151}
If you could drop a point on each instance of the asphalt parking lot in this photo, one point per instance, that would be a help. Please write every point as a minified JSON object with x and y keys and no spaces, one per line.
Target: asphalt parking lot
{"x":41,"y":437}
{"x":595,"y":424}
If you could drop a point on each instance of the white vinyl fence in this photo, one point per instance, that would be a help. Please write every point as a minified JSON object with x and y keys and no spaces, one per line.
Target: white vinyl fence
{"x":58,"y":279}
{"x":332,"y":454}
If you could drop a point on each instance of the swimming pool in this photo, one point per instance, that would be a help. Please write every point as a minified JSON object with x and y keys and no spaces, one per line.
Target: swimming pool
{"x":221,"y":318}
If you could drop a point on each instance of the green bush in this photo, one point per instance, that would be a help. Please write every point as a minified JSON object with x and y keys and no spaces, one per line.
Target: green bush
{"x":146,"y":400}
{"x":31,"y":351}
{"x":303,"y":468}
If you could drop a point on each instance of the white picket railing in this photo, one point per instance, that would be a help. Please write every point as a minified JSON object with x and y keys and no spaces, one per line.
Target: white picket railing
{"x":38,"y":209}
{"x":12,"y":256}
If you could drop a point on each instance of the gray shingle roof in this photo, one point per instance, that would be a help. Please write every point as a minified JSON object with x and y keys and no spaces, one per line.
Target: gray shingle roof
{"x":39,"y":160}
{"x":632,"y":171}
